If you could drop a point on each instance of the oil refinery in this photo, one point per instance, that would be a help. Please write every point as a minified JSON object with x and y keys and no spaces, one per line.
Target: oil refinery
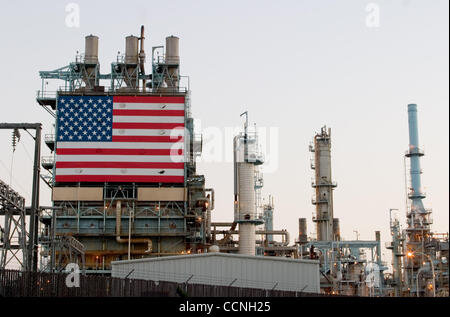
{"x":128,"y":200}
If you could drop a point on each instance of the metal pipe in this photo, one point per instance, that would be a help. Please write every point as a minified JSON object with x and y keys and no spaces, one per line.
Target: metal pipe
{"x":417,"y":280}
{"x":212,"y":197}
{"x":263,"y":232}
{"x":118,"y":230}
{"x":34,"y":217}
{"x":221,"y":224}
{"x":142,"y":57}
{"x":208,"y":212}
{"x":432,"y":274}
{"x":228,"y":233}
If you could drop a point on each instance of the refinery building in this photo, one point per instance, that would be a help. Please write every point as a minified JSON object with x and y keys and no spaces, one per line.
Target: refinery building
{"x":127,"y":200}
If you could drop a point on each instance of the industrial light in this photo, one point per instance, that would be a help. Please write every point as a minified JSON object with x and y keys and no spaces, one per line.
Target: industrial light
{"x":410,"y":254}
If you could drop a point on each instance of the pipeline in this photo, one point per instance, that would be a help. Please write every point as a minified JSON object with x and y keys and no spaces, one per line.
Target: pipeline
{"x":230,"y":232}
{"x":118,"y":229}
{"x":276,"y":232}
{"x":208,"y":212}
{"x":228,"y":235}
{"x":142,"y":57}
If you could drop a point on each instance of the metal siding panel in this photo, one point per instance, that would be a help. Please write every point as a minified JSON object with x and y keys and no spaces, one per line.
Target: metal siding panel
{"x":221,"y":270}
{"x":161,"y":194}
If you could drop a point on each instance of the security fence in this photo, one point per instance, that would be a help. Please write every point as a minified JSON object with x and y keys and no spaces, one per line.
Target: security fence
{"x":40,"y":284}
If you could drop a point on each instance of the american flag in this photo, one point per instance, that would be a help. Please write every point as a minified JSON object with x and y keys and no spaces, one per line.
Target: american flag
{"x":120,"y":139}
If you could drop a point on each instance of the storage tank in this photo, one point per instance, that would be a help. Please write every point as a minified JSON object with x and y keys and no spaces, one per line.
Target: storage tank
{"x":131,"y":49}
{"x":172,"y":50}
{"x":91,"y":49}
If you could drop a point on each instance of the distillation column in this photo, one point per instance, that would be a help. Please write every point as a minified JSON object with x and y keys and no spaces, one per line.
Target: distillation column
{"x":323,"y":185}
{"x":246,"y":161}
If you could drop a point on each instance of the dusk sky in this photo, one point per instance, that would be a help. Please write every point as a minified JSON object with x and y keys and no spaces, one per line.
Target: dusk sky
{"x":294,"y":66}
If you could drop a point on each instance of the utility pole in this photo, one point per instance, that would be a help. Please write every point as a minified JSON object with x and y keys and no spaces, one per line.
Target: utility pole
{"x":32,"y":246}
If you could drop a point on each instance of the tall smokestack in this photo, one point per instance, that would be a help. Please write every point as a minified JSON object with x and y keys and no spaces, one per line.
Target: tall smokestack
{"x":418,"y":217}
{"x":414,"y":154}
{"x":302,"y":230}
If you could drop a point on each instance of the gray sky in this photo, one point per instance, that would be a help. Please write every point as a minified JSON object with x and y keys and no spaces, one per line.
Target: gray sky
{"x":294,"y":65}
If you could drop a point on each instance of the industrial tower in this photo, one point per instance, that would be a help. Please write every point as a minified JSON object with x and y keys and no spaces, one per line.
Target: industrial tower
{"x":418,"y":217}
{"x":123,"y":174}
{"x":246,"y":161}
{"x":344,"y":266}
{"x":323,"y":186}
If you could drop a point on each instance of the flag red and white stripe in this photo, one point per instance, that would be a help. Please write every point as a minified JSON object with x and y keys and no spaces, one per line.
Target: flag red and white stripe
{"x":137,"y":145}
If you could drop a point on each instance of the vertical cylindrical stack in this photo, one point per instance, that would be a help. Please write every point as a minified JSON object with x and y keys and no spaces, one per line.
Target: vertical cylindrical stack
{"x":131,"y":50}
{"x":336,"y":229}
{"x":172,"y":50}
{"x":246,"y":160}
{"x":172,"y":61}
{"x":247,"y":204}
{"x":268,"y":219}
{"x":91,"y":50}
{"x":247,"y":208}
{"x":323,"y":185}
{"x":414,"y":154}
{"x":418,"y":217}
{"x":90,"y":61}
{"x":247,"y":238}
{"x":131,"y":61}
{"x":302,"y":230}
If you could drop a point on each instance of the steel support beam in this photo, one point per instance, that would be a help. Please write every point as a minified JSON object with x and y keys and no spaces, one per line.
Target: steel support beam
{"x":32,"y":260}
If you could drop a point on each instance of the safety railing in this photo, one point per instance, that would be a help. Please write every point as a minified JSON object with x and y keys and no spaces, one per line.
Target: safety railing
{"x":46,"y":94}
{"x":413,"y":151}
